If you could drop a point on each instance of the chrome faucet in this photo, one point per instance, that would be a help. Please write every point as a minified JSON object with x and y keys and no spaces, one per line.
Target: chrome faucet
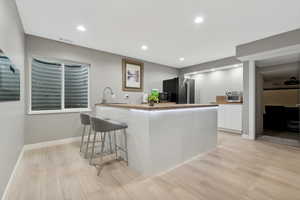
{"x":104,"y":96}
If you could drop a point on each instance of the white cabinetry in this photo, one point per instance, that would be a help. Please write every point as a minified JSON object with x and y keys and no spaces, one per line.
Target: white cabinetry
{"x":230,"y":117}
{"x":221,"y":116}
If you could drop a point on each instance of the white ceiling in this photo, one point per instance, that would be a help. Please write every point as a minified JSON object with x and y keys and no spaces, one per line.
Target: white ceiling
{"x":165,"y":26}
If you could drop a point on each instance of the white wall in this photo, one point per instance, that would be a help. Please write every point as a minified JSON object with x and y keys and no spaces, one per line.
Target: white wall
{"x":11,"y":113}
{"x":212,"y":84}
{"x":106,"y":70}
{"x":245,"y":118}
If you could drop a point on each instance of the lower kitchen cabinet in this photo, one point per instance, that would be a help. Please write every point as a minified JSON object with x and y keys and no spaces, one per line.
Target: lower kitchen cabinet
{"x":230,"y":117}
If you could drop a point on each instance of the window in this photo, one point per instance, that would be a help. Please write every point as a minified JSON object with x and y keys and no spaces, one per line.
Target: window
{"x":58,"y":87}
{"x":76,"y":86}
{"x":9,"y":80}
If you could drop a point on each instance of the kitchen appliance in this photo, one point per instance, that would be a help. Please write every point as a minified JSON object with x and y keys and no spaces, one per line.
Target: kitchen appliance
{"x":180,"y":90}
{"x":234,"y":96}
{"x":163,"y":97}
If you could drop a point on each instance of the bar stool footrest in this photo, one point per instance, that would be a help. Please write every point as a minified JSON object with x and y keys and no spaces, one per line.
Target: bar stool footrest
{"x":121,"y":148}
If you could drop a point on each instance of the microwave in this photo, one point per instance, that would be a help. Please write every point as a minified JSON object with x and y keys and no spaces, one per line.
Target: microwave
{"x":234,"y":97}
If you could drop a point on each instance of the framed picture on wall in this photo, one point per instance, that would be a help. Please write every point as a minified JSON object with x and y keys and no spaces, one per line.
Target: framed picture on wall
{"x":133,"y":75}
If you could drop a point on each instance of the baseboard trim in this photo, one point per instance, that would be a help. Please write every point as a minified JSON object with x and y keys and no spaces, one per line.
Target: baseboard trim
{"x":229,"y":130}
{"x":13,"y":174}
{"x":245,"y":136}
{"x":51,"y":143}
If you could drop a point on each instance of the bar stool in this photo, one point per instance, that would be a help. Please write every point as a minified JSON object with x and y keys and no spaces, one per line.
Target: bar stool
{"x":85,"y":121}
{"x":104,"y":127}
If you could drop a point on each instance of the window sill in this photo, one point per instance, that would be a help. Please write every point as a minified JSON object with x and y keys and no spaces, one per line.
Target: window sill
{"x":44,"y":112}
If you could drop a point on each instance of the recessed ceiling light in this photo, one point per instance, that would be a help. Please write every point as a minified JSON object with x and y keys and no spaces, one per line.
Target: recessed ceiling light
{"x":144,"y":47}
{"x":181,"y":59}
{"x":199,"y":20}
{"x":81,"y":28}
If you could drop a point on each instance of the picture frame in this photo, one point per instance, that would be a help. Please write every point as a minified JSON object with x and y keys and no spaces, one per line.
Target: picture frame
{"x":132,"y":75}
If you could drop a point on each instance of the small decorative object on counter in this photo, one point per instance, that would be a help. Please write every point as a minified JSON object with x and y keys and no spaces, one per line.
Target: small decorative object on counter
{"x":155,"y":92}
{"x":152,"y":99}
{"x":145,"y":98}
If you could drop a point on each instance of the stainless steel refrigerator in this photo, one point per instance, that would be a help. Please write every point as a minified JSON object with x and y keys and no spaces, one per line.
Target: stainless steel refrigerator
{"x":180,"y":90}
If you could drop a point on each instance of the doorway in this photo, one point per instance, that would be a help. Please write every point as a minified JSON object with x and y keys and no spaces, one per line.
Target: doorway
{"x":279,"y":100}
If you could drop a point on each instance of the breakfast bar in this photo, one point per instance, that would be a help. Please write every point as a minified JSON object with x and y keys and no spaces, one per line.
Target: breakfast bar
{"x":163,"y":136}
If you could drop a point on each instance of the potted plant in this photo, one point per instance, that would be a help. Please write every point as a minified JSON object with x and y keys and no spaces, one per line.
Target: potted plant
{"x":152,"y":99}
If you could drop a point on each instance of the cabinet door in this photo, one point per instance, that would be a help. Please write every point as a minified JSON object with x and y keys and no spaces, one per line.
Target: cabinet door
{"x":235,"y":117}
{"x":221,"y":116}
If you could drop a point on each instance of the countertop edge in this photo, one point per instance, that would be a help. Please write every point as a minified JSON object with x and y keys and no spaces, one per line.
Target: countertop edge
{"x":166,"y":107}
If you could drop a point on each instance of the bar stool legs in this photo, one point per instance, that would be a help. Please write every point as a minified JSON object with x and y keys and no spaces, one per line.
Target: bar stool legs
{"x":88,"y":142}
{"x":104,"y":144}
{"x":126,"y":149}
{"x":93,"y":147}
{"x":105,"y":127}
{"x":116,"y":147}
{"x":110,"y":145}
{"x":101,"y":153}
{"x":82,"y":137}
{"x":102,"y":147}
{"x":102,"y":141}
{"x":85,"y":121}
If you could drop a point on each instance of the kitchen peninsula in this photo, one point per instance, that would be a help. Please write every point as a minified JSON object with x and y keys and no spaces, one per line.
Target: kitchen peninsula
{"x":163,"y":136}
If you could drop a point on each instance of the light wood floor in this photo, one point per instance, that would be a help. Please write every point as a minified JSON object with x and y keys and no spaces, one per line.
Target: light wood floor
{"x":237,"y":169}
